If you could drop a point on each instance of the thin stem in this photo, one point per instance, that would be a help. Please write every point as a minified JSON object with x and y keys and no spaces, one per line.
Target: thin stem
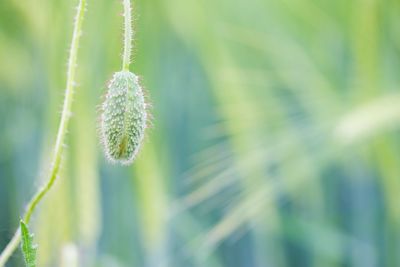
{"x":62,"y":130}
{"x":128,"y":36}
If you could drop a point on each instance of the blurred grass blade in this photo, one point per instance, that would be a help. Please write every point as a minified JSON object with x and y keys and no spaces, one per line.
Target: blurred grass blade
{"x":372,"y":118}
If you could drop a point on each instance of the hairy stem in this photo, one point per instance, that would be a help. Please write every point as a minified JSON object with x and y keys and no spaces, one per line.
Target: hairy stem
{"x":128,"y":35}
{"x":62,"y":130}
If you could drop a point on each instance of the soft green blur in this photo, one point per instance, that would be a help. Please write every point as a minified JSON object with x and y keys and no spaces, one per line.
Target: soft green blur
{"x":274,"y":137}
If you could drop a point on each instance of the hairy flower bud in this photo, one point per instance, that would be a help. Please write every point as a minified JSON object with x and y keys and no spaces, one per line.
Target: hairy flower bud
{"x":123,"y":119}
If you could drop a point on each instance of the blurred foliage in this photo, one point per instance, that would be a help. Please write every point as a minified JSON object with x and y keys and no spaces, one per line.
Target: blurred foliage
{"x":274,"y":138}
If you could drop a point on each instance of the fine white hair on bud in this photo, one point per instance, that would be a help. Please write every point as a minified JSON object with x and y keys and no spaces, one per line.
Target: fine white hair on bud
{"x":123,"y":118}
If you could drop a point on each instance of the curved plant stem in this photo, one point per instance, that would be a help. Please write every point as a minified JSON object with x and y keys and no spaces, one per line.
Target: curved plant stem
{"x":62,"y":130}
{"x":126,"y":59}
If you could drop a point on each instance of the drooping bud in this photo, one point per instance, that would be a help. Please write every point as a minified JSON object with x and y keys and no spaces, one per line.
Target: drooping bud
{"x":123,"y":118}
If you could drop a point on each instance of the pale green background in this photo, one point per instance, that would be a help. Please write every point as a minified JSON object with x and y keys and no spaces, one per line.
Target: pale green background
{"x":274,"y":138}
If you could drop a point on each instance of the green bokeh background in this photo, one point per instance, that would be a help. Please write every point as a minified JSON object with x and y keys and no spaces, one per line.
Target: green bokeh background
{"x":274,"y":139}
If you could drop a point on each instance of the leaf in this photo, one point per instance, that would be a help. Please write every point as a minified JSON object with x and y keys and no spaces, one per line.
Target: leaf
{"x":27,"y":246}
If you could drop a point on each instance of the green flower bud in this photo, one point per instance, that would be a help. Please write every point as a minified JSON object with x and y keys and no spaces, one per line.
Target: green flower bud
{"x":124,"y":118}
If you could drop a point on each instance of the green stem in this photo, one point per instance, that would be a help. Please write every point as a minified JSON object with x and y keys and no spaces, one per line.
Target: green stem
{"x":62,"y":131}
{"x":128,"y":36}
